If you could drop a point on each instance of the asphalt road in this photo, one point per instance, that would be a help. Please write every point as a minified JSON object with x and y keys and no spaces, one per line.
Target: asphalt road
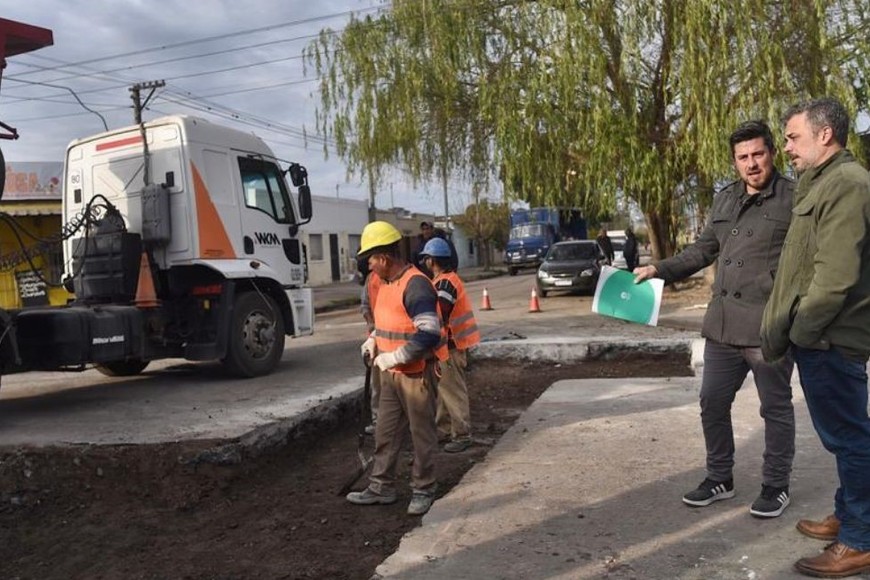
{"x":176,"y":399}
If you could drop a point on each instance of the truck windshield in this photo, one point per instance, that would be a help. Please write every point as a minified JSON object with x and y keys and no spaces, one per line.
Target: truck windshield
{"x":264,"y":189}
{"x":527,"y":231}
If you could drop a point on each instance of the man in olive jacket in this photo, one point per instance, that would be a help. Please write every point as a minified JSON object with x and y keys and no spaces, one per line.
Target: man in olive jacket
{"x":744,"y":235}
{"x":820,"y":311}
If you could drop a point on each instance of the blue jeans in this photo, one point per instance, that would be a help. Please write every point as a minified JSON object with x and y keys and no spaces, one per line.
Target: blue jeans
{"x":835,"y":389}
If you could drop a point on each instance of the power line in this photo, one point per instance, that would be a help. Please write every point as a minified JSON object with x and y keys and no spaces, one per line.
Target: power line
{"x":215,"y":37}
{"x":164,"y":61}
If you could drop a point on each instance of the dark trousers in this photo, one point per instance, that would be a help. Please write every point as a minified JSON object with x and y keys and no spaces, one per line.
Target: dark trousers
{"x":835,"y":389}
{"x":725,"y":369}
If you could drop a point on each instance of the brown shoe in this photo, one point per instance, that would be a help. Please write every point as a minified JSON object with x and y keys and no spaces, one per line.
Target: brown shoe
{"x":827,"y":529}
{"x":837,"y":561}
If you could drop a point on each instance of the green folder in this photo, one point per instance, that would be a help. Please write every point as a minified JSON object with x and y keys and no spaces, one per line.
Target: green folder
{"x":618,"y":296}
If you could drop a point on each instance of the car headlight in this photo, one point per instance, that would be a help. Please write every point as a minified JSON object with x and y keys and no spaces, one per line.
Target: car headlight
{"x":588,"y":272}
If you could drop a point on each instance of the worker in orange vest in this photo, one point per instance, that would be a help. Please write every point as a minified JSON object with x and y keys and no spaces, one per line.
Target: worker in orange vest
{"x":453,"y":417}
{"x":408,"y":338}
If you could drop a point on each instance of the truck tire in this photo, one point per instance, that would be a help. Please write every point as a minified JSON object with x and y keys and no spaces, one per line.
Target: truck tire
{"x":123,"y":368}
{"x":256,"y":341}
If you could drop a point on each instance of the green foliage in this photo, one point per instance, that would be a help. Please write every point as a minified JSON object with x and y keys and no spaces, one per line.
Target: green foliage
{"x":570,"y":102}
{"x":487,"y":222}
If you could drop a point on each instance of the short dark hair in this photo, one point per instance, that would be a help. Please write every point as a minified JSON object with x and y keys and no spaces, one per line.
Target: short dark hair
{"x":443,"y":263}
{"x":425,"y":225}
{"x":750,"y":130}
{"x":824,"y":112}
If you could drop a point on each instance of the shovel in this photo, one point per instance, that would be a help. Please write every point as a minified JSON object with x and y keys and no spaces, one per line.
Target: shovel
{"x":365,"y":417}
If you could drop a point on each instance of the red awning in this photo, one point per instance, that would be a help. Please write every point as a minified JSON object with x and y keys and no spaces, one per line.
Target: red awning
{"x":18,"y":38}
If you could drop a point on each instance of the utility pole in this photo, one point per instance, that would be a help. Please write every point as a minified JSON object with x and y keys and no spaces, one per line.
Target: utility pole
{"x":138,"y":105}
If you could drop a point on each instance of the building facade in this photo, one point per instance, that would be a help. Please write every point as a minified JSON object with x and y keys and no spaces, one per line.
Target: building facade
{"x":332,"y":238}
{"x":31,"y":260}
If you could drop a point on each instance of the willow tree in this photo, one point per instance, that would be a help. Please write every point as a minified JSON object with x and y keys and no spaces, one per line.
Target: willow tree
{"x":570,"y":102}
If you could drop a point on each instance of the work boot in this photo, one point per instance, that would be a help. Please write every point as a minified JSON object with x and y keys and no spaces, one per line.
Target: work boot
{"x":458,"y":445}
{"x":826,"y":530}
{"x":369,"y":497}
{"x":771,"y":503}
{"x":708,"y":492}
{"x":837,"y":561}
{"x":420,"y":503}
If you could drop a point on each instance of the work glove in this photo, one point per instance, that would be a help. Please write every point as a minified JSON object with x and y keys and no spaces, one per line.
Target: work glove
{"x":367,"y":350}
{"x":386,"y":360}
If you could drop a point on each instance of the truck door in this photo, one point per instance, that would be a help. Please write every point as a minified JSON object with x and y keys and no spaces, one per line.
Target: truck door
{"x":268,"y":220}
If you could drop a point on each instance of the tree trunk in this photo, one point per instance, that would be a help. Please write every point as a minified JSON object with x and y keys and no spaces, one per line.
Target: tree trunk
{"x":660,"y":235}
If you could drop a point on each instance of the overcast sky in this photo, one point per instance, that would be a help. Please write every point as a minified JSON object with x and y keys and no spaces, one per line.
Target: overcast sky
{"x":252,"y":75}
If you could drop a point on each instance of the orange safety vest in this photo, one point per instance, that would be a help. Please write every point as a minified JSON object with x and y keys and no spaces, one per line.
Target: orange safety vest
{"x":373,"y":284}
{"x":461,"y":327}
{"x":394,"y":328}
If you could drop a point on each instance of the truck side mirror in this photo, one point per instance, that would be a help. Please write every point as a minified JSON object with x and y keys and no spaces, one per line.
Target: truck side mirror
{"x":305,"y":210}
{"x":298,"y":174}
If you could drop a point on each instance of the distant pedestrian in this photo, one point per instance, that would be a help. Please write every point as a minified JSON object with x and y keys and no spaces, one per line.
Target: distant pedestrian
{"x":409,"y":342}
{"x":427,"y":232}
{"x":605,"y":244}
{"x":453,"y":418}
{"x":630,"y":250}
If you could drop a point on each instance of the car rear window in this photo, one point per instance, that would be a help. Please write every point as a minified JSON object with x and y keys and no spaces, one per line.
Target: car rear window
{"x":573,"y":252}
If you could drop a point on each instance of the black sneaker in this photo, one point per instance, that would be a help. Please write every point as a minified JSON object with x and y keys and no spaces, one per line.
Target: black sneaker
{"x":708,"y":492}
{"x":771,"y":503}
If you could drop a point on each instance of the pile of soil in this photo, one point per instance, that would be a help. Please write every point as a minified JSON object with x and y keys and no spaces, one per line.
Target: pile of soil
{"x":147,"y":511}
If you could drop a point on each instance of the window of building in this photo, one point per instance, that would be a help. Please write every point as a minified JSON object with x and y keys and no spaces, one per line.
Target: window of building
{"x":470,"y":247}
{"x":315,"y":247}
{"x":353,"y":244}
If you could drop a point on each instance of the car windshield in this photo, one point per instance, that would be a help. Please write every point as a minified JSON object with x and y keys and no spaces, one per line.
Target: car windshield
{"x":570,"y":252}
{"x":527,"y":231}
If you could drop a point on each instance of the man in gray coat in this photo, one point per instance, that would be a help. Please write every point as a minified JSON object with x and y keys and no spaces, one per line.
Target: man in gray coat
{"x":744,"y":236}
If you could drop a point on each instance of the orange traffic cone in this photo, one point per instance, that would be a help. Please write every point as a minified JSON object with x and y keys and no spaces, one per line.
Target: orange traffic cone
{"x":486,"y":304}
{"x":146,"y":296}
{"x":534,"y":306}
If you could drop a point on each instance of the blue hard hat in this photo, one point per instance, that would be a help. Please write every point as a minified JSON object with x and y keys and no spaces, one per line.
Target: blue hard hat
{"x":437,"y":248}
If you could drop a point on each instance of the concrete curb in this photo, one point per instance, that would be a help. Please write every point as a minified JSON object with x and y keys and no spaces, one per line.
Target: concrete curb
{"x":323,"y":415}
{"x":573,"y":349}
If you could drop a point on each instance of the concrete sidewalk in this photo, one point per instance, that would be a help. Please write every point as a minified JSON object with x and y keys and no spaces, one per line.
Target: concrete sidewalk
{"x":587,"y":484}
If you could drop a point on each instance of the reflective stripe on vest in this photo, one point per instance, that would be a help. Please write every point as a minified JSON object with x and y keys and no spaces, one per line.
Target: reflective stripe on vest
{"x":394,"y":328}
{"x":462,"y":326}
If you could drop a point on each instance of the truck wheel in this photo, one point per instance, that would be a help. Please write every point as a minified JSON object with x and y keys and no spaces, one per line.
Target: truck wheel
{"x":513,"y":271}
{"x":123,"y":368}
{"x":256,"y":336}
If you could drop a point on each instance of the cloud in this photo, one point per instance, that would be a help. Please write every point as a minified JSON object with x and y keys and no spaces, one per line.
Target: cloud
{"x":148,"y":32}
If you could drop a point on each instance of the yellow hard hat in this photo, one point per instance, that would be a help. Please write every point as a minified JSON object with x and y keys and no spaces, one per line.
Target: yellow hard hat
{"x":377,"y":234}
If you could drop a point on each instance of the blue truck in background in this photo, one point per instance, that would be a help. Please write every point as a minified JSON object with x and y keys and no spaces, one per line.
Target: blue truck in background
{"x":534,"y":230}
